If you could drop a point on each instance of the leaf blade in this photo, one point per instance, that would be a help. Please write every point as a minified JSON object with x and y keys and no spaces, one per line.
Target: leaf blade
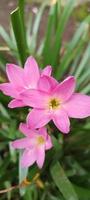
{"x":62,"y":182}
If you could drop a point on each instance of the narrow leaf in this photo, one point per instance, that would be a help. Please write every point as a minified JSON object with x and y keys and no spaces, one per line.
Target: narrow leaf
{"x":61,"y":27}
{"x":36,"y":25}
{"x":47,"y":43}
{"x":19,"y":34}
{"x":74,"y":48}
{"x":62,"y":182}
{"x":22,"y":174}
{"x":84,"y":194}
{"x":6,"y":38}
{"x":83,"y":62}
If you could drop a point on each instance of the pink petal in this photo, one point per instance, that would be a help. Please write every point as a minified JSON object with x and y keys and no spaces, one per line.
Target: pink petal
{"x":31,"y":72}
{"x":35,"y":98}
{"x":16,"y":103}
{"x":15,"y":74}
{"x":38,"y":118}
{"x":23,"y":143}
{"x":47,"y":84}
{"x":61,"y":121}
{"x":47,"y":71}
{"x":43,"y":131}
{"x":40,"y":156}
{"x":25,"y":130}
{"x":78,"y":106}
{"x":9,"y":90}
{"x":48,"y":144}
{"x":65,"y":89}
{"x":28,"y":158}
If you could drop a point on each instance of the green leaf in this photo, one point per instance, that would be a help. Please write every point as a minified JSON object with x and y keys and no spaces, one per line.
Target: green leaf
{"x":21,"y":4}
{"x":29,"y":30}
{"x":86,"y":89}
{"x":17,"y":25}
{"x":4,"y":112}
{"x":62,"y":182}
{"x":36,"y":26}
{"x":74,"y":48}
{"x":47,"y":43}
{"x":6,"y":38}
{"x":22,"y":174}
{"x":85,"y":77}
{"x":84,"y":194}
{"x":83,"y":62}
{"x":3,"y":62}
{"x":59,"y":33}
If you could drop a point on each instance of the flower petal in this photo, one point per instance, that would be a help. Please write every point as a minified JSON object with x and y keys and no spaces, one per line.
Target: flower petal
{"x":40,"y":156}
{"x":25,"y":130}
{"x":15,"y":74}
{"x":16,"y":103}
{"x":65,"y":89}
{"x":47,"y":84}
{"x":31,"y":72}
{"x":35,"y":98}
{"x":47,"y":71}
{"x":23,"y":143}
{"x":28,"y":158}
{"x":43,"y":132}
{"x":37,"y":118}
{"x":8,"y":89}
{"x":78,"y":106}
{"x":48,"y":144}
{"x":61,"y":121}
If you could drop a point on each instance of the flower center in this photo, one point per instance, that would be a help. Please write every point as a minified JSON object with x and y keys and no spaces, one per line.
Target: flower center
{"x":40,"y":140}
{"x":54,"y":104}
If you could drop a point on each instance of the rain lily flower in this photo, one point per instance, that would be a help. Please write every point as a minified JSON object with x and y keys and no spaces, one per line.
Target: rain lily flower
{"x":57,"y":102}
{"x":34,"y":144}
{"x":22,"y":79}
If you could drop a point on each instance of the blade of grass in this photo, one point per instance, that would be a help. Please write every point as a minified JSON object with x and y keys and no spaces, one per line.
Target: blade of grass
{"x":76,"y":61}
{"x":36,"y":26}
{"x":28,"y":31}
{"x":62,"y":182}
{"x":85,"y":76}
{"x":83,"y":62}
{"x":19,"y":35}
{"x":56,"y":15}
{"x":47,"y":42}
{"x":59,"y":32}
{"x":84,"y":194}
{"x":6,"y":38}
{"x":3,"y":62}
{"x":86,"y":89}
{"x":22,"y":174}
{"x":21,"y":5}
{"x":78,"y":38}
{"x":4,"y":111}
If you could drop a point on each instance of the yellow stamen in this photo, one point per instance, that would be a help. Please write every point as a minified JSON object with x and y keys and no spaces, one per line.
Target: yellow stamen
{"x":40,"y":140}
{"x":54,"y":104}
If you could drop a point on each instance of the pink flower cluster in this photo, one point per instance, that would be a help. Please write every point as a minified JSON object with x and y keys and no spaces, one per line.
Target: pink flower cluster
{"x":49,"y":100}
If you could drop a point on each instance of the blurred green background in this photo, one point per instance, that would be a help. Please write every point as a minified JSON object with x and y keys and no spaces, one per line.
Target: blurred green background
{"x":56,"y":33}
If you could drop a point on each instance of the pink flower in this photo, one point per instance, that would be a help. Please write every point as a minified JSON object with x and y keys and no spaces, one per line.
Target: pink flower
{"x":57,"y":102}
{"x":22,"y":79}
{"x":34,"y":144}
